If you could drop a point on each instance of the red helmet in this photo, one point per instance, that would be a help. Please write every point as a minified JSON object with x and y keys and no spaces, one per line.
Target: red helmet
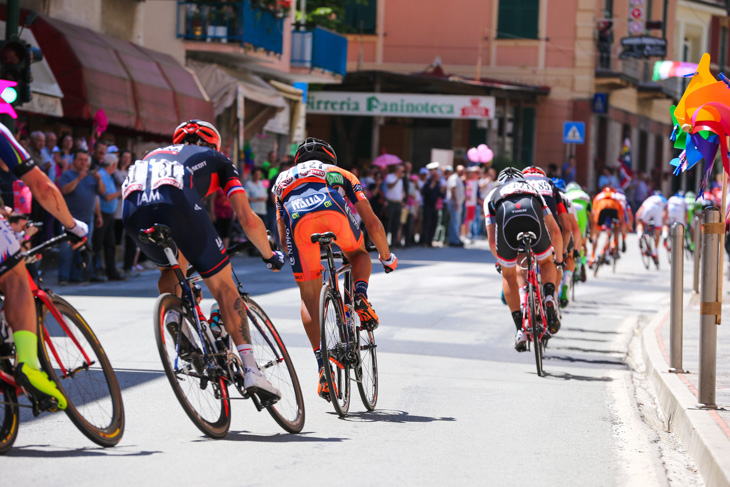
{"x":533,"y":170}
{"x":195,"y":130}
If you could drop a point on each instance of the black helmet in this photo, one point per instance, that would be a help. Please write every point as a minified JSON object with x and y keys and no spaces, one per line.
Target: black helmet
{"x":510,"y":173}
{"x":315,"y":150}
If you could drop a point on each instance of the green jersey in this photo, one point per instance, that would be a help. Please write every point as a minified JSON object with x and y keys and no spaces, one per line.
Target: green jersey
{"x":582,"y":203}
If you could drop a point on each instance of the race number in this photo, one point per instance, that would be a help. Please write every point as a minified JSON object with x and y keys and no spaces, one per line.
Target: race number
{"x":152,"y":174}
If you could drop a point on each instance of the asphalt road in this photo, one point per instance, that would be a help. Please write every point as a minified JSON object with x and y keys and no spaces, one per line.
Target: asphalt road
{"x":457,"y":404}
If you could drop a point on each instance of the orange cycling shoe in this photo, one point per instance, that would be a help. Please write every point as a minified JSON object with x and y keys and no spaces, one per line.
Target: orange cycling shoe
{"x":323,"y":389}
{"x":365,"y":312}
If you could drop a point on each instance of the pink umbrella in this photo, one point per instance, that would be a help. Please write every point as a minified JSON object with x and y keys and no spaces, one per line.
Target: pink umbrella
{"x":384,"y":160}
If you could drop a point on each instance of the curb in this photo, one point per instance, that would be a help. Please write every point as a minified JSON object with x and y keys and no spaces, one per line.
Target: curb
{"x":700,"y":433}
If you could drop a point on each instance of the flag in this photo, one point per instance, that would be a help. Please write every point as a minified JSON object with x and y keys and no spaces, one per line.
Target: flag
{"x":625,"y":172}
{"x":672,"y":69}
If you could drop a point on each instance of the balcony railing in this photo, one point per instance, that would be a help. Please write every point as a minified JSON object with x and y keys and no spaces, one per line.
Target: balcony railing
{"x":230,"y":22}
{"x":319,"y":48}
{"x":637,"y":72}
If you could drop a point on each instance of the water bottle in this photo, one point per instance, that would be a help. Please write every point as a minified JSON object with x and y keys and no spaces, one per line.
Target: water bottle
{"x":216,"y":322}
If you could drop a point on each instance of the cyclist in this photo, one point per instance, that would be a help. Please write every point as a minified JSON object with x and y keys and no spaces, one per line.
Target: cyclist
{"x":606,"y":208}
{"x":515,"y":206}
{"x":584,"y":214}
{"x":537,"y":178}
{"x":575,"y":243}
{"x":311,"y":198}
{"x":653,"y":211}
{"x":627,"y":222}
{"x":19,"y":307}
{"x":677,"y":212}
{"x":167,"y":187}
{"x":694,"y":207}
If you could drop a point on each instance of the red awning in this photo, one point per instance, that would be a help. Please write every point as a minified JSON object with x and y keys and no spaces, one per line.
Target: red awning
{"x":137,"y":88}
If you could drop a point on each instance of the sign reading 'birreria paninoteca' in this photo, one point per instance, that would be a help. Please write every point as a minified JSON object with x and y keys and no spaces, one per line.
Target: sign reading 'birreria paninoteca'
{"x":400,"y":105}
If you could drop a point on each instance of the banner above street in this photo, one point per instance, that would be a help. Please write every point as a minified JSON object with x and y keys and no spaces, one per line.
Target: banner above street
{"x":400,"y":105}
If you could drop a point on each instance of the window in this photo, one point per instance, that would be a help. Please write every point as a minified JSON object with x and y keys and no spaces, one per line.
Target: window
{"x":360,"y":16}
{"x":518,"y":19}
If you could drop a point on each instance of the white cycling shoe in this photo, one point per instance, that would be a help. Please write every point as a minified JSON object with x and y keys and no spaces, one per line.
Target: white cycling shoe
{"x":255,"y":382}
{"x":521,"y":341}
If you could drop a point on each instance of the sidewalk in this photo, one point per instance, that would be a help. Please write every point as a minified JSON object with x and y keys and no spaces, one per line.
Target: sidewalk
{"x":704,"y":433}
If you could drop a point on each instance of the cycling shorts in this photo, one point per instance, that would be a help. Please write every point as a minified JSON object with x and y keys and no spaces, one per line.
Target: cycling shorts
{"x":653,"y":216}
{"x":10,"y":253}
{"x":192,"y":231}
{"x":516,"y":215}
{"x":606,"y":217}
{"x":317,"y":213}
{"x":676,"y":216}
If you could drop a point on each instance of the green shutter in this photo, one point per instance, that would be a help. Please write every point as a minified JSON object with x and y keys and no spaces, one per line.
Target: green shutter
{"x":358,"y":15}
{"x":517,"y":19}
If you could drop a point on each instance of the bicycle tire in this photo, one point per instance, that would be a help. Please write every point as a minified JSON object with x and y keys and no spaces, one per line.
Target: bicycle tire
{"x":10,"y":412}
{"x":91,"y":392}
{"x":645,"y":252}
{"x":614,"y":259}
{"x":366,"y":374}
{"x":271,"y":354}
{"x":535,"y":329}
{"x":599,"y":263}
{"x":668,"y":247}
{"x":333,"y":350}
{"x":215,"y":420}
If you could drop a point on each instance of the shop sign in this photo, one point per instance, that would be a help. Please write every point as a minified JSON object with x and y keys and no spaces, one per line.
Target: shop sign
{"x":400,"y":105}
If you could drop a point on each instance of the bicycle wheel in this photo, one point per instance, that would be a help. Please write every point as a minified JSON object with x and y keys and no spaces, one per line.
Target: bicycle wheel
{"x":366,"y":374}
{"x":614,"y":259}
{"x":73,"y":358}
{"x":645,"y":251}
{"x":601,"y":260}
{"x":536,"y":328}
{"x":10,"y":415}
{"x":334,"y":350}
{"x":668,"y":246}
{"x":201,"y":390}
{"x":274,"y":362}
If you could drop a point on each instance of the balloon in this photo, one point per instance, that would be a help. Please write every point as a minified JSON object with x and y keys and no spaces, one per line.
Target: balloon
{"x":490,"y":156}
{"x":483,"y":153}
{"x":473,"y":154}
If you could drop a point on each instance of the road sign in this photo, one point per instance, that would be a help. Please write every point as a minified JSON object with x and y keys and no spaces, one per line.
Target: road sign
{"x":574,"y":132}
{"x":600,"y":103}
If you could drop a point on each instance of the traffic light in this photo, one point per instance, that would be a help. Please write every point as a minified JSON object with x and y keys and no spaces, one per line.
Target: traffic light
{"x":16,"y":56}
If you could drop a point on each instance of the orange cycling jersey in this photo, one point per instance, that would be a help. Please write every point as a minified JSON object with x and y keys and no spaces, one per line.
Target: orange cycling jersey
{"x":605,"y":200}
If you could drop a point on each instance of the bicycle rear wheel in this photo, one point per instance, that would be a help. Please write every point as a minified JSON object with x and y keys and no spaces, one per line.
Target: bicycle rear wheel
{"x":274,"y":362}
{"x":367,"y":373}
{"x":535,"y":325}
{"x":645,"y":251}
{"x":73,"y":358}
{"x":668,"y":246}
{"x":334,"y":350}
{"x":202,"y":392}
{"x":9,"y":414}
{"x":601,"y":260}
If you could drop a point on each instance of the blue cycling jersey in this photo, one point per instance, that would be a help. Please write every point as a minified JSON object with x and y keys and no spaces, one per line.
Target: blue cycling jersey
{"x":12,"y":153}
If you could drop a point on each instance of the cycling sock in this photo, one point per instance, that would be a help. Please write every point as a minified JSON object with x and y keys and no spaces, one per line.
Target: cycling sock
{"x":246,"y":352}
{"x":361,"y":287}
{"x":517,"y":317}
{"x":318,"y":356}
{"x":26,"y":346}
{"x":549,"y":289}
{"x":567,"y":277}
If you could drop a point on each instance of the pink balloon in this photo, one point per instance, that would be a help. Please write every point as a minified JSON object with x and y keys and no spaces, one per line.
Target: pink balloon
{"x":483,"y":152}
{"x":473,"y":154}
{"x":490,"y":156}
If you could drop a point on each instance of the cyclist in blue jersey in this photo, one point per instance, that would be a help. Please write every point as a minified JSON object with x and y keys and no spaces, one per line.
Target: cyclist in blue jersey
{"x":19,"y":307}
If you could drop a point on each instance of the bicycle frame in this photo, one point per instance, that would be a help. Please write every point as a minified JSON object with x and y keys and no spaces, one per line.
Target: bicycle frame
{"x":533,"y":281}
{"x":333,"y":273}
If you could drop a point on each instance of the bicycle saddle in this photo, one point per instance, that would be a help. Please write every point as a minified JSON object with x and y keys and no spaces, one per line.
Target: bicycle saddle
{"x":157,"y":234}
{"x":323,"y":238}
{"x":527,"y":237}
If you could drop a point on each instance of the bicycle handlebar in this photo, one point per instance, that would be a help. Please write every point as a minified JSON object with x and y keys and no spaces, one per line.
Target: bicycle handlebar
{"x":84,"y":249}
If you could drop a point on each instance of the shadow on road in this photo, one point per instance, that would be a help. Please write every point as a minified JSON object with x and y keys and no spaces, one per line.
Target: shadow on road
{"x":32,"y":451}
{"x":392,"y":416}
{"x":582,"y":378}
{"x":565,"y":358}
{"x":277,"y":438}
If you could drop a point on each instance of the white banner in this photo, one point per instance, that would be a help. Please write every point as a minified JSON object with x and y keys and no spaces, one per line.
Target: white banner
{"x":400,"y":105}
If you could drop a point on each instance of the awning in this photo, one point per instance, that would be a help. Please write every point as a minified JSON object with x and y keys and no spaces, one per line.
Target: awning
{"x":137,"y":88}
{"x":261,"y":100}
{"x":46,"y":92}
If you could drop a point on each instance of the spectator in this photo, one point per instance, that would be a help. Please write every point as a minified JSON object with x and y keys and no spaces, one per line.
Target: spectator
{"x":455,"y":197}
{"x":49,"y":158}
{"x":568,"y":170}
{"x":607,"y":178}
{"x":257,"y":192}
{"x":65,"y":152}
{"x":130,"y":248}
{"x":552,"y":171}
{"x":430,"y":194}
{"x":641,"y":190}
{"x":472,"y":198}
{"x":79,"y":188}
{"x":394,"y":194}
{"x":104,"y":239}
{"x":37,"y":144}
{"x":97,"y":157}
{"x":376,"y":195}
{"x":270,"y":167}
{"x":80,"y":143}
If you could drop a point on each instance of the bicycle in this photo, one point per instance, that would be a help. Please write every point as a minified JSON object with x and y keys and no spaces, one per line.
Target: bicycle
{"x":610,"y":249}
{"x":646,"y":245}
{"x":533,"y":310}
{"x":345,"y":343}
{"x":200,"y":366}
{"x":73,"y":358}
